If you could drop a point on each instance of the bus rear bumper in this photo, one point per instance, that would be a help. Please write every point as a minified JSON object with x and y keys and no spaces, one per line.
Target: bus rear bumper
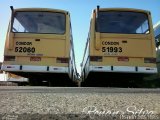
{"x":30,"y":68}
{"x":123,"y":69}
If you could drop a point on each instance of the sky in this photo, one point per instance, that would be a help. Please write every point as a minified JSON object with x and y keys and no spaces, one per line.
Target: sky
{"x":80,"y":11}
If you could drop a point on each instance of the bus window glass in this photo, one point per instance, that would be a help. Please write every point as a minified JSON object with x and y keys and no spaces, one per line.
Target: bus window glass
{"x":122,"y":22}
{"x":39,"y":22}
{"x":19,"y":26}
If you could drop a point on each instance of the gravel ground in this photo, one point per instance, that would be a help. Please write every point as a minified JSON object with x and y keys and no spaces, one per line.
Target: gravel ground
{"x":78,"y":105}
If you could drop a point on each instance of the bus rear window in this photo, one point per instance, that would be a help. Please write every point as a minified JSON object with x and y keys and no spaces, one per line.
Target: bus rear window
{"x":122,"y":22}
{"x":39,"y":22}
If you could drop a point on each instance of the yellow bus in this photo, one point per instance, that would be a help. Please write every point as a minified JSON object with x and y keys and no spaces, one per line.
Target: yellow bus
{"x":120,"y":40}
{"x":39,"y":45}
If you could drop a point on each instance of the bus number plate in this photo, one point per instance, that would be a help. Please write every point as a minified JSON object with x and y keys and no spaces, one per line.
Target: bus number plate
{"x":25,"y":49}
{"x":111,"y":50}
{"x":35,"y":58}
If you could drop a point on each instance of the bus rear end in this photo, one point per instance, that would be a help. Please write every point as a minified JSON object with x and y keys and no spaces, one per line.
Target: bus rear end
{"x":121,"y":41}
{"x":37,"y":43}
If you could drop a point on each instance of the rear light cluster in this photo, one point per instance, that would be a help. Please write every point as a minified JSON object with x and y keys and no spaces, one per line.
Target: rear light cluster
{"x":62,"y":60}
{"x":9,"y":58}
{"x":124,"y":59}
{"x":35,"y":58}
{"x":96,"y":58}
{"x":149,"y":60}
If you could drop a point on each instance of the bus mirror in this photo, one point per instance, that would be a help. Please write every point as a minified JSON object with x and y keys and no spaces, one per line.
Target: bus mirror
{"x":98,"y":7}
{"x":12,"y":9}
{"x":97,"y":41}
{"x":97,"y":10}
{"x":10,"y":34}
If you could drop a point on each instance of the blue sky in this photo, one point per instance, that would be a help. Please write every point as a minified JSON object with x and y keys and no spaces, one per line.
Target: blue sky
{"x":80,"y":11}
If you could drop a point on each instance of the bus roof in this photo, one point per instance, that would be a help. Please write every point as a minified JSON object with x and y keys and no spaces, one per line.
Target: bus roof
{"x":123,"y":9}
{"x":41,"y":9}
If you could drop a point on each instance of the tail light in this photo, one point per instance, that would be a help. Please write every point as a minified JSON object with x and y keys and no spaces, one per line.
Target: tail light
{"x":9,"y":58}
{"x":96,"y":58}
{"x":62,"y":60}
{"x":149,"y":60}
{"x":124,"y":59}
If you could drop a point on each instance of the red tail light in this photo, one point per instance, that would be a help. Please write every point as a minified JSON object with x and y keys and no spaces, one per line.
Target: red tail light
{"x":149,"y":60}
{"x":96,"y":58}
{"x":9,"y":58}
{"x":125,"y":59}
{"x":62,"y":60}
